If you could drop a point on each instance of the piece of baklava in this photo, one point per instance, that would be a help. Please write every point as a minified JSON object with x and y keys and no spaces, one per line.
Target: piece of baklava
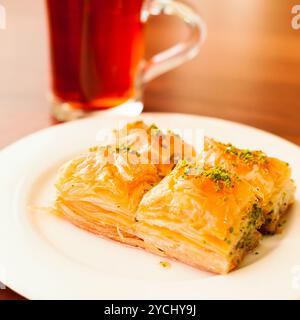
{"x":205,"y":217}
{"x":161,"y":148}
{"x":270,"y":176}
{"x":100,"y":190}
{"x":100,"y":193}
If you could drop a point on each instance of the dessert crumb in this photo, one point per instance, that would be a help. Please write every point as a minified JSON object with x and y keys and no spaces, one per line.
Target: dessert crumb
{"x":165,"y":264}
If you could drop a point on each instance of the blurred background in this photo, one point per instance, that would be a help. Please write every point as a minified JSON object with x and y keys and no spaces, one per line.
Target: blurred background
{"x":247,"y":71}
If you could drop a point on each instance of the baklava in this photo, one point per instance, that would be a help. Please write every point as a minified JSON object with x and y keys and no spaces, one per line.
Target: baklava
{"x":270,"y":176}
{"x":206,"y":217}
{"x":100,"y":190}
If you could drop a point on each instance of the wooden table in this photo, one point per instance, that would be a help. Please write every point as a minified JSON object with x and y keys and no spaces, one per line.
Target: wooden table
{"x":248,"y":71}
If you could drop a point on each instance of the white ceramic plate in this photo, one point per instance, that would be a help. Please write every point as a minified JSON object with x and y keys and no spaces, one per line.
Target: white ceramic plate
{"x":44,"y":257}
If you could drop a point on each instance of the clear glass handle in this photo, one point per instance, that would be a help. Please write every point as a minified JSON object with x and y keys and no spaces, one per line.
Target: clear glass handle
{"x":181,"y":52}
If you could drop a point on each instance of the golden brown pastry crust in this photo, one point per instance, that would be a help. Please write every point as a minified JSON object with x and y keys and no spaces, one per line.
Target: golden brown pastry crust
{"x":100,"y":190}
{"x":270,"y":176}
{"x":207,"y":218}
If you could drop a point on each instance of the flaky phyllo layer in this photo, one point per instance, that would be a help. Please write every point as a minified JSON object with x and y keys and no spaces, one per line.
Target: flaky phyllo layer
{"x":151,"y":190}
{"x":101,"y":189}
{"x":206,"y":217}
{"x":270,"y":176}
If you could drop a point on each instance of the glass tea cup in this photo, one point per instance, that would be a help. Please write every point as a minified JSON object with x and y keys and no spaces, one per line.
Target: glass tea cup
{"x":97,"y":51}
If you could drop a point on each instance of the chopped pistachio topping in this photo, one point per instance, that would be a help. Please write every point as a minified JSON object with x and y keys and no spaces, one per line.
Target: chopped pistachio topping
{"x":126,"y":148}
{"x":172,"y":133}
{"x":122,"y":147}
{"x":255,"y":214}
{"x":154,"y":130}
{"x":282,"y":223}
{"x":245,"y":242}
{"x":99,"y":148}
{"x":117,"y":149}
{"x":153,"y":126}
{"x":183,"y":163}
{"x":187,"y":170}
{"x":93,"y":149}
{"x":220,"y":176}
{"x":231,"y":149}
{"x":246,"y":155}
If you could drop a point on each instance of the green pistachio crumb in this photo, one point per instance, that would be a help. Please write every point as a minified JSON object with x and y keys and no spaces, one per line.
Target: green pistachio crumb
{"x":220,"y":176}
{"x":247,"y":155}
